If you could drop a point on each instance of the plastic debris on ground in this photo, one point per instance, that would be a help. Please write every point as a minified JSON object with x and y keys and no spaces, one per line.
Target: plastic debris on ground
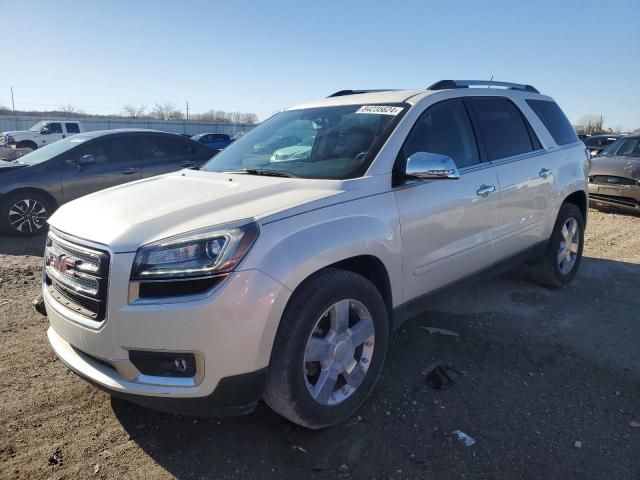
{"x":464,"y":438}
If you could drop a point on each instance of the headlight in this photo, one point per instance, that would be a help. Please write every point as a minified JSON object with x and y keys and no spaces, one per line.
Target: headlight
{"x":199,"y":254}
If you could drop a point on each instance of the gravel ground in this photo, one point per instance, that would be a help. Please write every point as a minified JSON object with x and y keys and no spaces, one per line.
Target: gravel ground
{"x":546,"y":382}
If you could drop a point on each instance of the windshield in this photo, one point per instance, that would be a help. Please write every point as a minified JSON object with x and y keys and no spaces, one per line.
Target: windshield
{"x":45,"y":153}
{"x":624,"y":147}
{"x":328,"y":142}
{"x":38,"y":126}
{"x":198,"y":136}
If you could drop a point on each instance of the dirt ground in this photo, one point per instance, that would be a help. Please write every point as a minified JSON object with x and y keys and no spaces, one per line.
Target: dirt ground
{"x":546,"y":382}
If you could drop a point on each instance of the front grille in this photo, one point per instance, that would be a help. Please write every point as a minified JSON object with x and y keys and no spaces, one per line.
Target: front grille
{"x":77,"y":276}
{"x":614,"y":200}
{"x":612,"y":180}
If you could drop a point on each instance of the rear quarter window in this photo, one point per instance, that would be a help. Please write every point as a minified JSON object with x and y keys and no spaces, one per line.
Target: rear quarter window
{"x":554,"y":120}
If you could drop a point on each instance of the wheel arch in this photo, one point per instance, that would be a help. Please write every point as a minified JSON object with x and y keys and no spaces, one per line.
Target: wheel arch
{"x":23,"y":190}
{"x":579,"y":199}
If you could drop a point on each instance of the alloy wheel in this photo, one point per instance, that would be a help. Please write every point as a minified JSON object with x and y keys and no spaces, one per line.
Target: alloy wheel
{"x":569,"y":246}
{"x":338,"y":352}
{"x":28,"y":215}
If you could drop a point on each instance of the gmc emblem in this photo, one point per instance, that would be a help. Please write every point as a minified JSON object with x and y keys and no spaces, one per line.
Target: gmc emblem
{"x":63,"y":264}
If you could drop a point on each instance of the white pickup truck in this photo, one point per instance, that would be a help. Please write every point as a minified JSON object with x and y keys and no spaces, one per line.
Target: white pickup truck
{"x":41,"y":134}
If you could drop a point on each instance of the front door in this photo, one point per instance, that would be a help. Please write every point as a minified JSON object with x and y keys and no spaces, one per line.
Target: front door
{"x":447,"y":225}
{"x":51,"y":132}
{"x":113,"y":162}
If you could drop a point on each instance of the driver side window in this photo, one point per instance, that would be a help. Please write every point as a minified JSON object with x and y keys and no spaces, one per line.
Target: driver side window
{"x":444,"y":129}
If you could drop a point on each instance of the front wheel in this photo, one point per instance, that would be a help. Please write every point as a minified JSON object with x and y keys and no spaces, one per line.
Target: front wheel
{"x":561,"y":259}
{"x":329,"y":350}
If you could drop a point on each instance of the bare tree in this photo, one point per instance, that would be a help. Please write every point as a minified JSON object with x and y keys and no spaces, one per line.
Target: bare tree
{"x":176,"y":115}
{"x":249,"y":118}
{"x":592,"y":123}
{"x":69,"y":109}
{"x":132,"y":111}
{"x":163,"y":111}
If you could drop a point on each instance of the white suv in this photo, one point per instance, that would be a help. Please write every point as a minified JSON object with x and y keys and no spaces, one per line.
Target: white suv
{"x":203,"y":291}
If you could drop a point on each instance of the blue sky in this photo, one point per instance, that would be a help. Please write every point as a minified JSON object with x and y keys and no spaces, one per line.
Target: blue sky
{"x":263,"y":56}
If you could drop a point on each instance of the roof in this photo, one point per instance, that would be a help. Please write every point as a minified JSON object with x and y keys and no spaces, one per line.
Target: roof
{"x":385,"y":96}
{"x":412,"y":97}
{"x":99,"y":133}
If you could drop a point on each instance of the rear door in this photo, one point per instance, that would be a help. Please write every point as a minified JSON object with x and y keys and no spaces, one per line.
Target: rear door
{"x":114,"y":163}
{"x":447,"y":225}
{"x":526,"y":181}
{"x":160,"y":154}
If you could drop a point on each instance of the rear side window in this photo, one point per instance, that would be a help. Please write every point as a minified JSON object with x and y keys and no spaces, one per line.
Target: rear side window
{"x":554,"y":120}
{"x":158,"y":147}
{"x":503,"y":127}
{"x":72,"y":128}
{"x":445,"y":129}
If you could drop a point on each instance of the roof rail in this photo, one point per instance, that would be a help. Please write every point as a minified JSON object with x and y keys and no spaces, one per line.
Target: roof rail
{"x":342,"y":93}
{"x":450,"y":84}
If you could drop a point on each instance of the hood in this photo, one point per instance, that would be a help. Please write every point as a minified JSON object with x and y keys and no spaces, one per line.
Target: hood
{"x":8,"y":166}
{"x":628,"y":167}
{"x":14,"y":133}
{"x":133,"y":214}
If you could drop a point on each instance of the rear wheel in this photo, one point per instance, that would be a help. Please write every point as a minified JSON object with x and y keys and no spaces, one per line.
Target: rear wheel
{"x":563,"y":254}
{"x":25,"y":214}
{"x":329,"y":350}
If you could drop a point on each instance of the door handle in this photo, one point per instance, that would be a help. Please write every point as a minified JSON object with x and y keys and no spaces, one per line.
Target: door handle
{"x":545,"y":173}
{"x":129,"y":171}
{"x":485,"y":190}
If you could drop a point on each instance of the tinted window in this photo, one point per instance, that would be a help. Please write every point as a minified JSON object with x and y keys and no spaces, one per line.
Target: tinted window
{"x":554,"y":120}
{"x":54,"y":127}
{"x":72,"y":128}
{"x":503,"y":129}
{"x":445,"y":129}
{"x":156,"y":147}
{"x":112,"y":150}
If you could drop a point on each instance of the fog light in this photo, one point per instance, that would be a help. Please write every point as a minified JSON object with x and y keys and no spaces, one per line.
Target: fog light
{"x":164,"y":364}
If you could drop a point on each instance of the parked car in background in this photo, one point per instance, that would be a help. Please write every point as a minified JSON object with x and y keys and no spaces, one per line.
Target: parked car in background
{"x":204,"y":291}
{"x":614,"y":179}
{"x":216,"y":141}
{"x":595,"y":143}
{"x":301,"y":151}
{"x":41,"y":134}
{"x":33,"y":186}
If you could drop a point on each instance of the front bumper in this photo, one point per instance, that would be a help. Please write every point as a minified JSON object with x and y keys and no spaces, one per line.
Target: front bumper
{"x":626,"y":197}
{"x":230,"y":332}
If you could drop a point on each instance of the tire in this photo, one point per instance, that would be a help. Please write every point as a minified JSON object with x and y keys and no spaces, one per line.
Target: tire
{"x":295,"y":378}
{"x":38,"y":209}
{"x":550,"y":271}
{"x":27,"y":144}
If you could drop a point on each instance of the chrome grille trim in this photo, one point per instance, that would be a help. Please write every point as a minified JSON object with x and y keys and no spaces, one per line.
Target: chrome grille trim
{"x":77,"y":276}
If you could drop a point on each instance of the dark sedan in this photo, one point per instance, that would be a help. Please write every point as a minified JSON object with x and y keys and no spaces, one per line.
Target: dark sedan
{"x":596,"y":143}
{"x":33,"y":186}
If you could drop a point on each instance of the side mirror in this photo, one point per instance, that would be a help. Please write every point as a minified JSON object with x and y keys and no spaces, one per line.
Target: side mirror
{"x":45,"y":131}
{"x":593,"y":153}
{"x":433,"y":166}
{"x":86,"y":160}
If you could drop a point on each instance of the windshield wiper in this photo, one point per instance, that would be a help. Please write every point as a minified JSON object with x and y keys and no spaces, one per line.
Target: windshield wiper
{"x":263,"y":171}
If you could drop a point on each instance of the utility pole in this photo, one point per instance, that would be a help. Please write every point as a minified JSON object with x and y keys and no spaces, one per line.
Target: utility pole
{"x":13,"y":105}
{"x":187,"y":110}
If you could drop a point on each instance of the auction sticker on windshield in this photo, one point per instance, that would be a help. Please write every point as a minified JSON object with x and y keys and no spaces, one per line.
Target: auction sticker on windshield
{"x":380,"y":109}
